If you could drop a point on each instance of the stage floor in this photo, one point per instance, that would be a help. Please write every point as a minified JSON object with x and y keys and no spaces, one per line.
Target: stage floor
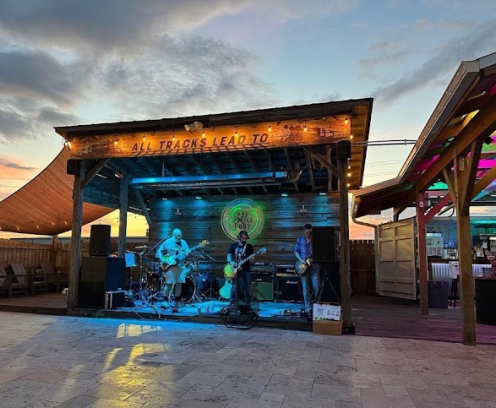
{"x":372,"y":316}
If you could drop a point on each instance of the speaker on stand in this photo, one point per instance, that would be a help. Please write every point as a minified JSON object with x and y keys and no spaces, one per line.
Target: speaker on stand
{"x":324,"y":246}
{"x":100,"y":240}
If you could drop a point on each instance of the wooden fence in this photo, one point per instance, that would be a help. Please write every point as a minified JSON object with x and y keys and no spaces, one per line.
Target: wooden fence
{"x":362,"y":258}
{"x":362,"y":267}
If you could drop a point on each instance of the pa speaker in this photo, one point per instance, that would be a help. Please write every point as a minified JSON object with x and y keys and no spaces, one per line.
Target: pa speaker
{"x":343,"y":150}
{"x":100,"y":275}
{"x":73,"y":167}
{"x":100,"y":240}
{"x":324,"y":247}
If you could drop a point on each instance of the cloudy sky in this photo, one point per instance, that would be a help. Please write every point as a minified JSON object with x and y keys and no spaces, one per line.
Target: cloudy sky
{"x":66,"y":62}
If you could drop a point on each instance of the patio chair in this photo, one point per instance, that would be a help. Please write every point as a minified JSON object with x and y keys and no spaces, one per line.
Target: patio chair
{"x":36,"y":283}
{"x":14,"y":284}
{"x":54,"y":279}
{"x":5,"y":281}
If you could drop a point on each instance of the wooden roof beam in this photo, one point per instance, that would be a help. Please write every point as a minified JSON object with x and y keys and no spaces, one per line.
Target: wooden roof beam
{"x":291,"y":169}
{"x":253,"y":164}
{"x":271,"y":164}
{"x":203,"y":169}
{"x":309,"y":159}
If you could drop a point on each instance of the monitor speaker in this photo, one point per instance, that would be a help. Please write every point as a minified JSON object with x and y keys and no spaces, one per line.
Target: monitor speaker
{"x":100,"y":275}
{"x":100,"y":240}
{"x":324,"y":247}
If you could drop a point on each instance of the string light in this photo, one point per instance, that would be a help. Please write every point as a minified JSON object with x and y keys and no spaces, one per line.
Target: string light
{"x":203,"y":134}
{"x":305,"y":127}
{"x":144,"y":138}
{"x":351,"y":136}
{"x":348,"y":184}
{"x":236,"y":131}
{"x":345,"y":121}
{"x":116,"y":141}
{"x":270,"y":128}
{"x":173,"y":136}
{"x":349,"y":174}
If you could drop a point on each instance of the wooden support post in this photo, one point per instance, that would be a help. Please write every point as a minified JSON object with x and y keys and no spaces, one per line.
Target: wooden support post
{"x":344,"y":228}
{"x":77,"y":223}
{"x":463,"y":194}
{"x":422,"y":254}
{"x":54,"y":250}
{"x":124,"y":197}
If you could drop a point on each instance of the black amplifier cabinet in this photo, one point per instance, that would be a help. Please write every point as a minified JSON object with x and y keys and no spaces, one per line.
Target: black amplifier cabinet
{"x":288,"y":288}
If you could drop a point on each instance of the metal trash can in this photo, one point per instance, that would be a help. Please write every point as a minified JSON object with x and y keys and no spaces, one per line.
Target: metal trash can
{"x":438,"y":294}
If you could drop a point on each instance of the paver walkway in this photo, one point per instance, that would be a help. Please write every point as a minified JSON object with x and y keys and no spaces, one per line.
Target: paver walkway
{"x":63,"y":361}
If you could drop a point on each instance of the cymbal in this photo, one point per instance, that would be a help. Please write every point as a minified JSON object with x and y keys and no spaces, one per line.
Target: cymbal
{"x":141,"y":247}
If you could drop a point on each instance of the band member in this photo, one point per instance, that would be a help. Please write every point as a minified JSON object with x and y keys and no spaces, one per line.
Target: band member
{"x":241,"y":283}
{"x":172,"y":254}
{"x":310,"y":280}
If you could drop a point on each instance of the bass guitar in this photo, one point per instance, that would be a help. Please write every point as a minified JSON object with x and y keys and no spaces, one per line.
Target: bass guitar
{"x":231,"y":271}
{"x":170,"y":260}
{"x":301,"y":267}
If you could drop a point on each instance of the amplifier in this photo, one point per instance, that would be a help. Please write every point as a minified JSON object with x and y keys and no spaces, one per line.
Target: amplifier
{"x":285,"y":269}
{"x":262,"y":278}
{"x":115,"y":299}
{"x":262,"y":290}
{"x":288,"y":289}
{"x":262,"y":268}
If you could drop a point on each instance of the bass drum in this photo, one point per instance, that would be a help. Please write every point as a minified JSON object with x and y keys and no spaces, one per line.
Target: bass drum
{"x":208,"y":285}
{"x":187,"y":291}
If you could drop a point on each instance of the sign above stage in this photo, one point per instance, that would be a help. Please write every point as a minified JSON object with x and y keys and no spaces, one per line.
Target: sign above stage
{"x":209,"y":140}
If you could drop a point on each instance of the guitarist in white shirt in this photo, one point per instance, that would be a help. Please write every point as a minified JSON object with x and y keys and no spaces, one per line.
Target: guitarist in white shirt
{"x":172,"y":254}
{"x":242,"y":281}
{"x":309,"y":271}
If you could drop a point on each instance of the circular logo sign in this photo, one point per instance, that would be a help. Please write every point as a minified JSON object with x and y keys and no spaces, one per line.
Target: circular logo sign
{"x":242,"y":214}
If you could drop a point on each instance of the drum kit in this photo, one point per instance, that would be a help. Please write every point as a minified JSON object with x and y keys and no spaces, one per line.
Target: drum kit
{"x":146,"y":280}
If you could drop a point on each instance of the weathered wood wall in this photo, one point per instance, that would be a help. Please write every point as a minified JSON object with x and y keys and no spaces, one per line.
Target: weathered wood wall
{"x":201,"y":220}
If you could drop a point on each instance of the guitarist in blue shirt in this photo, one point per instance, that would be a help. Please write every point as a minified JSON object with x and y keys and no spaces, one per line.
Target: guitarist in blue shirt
{"x":308,"y":271}
{"x":241,"y":283}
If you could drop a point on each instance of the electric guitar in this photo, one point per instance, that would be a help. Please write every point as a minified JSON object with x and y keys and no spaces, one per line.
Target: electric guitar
{"x":231,"y":271}
{"x":172,"y":259}
{"x":301,"y":267}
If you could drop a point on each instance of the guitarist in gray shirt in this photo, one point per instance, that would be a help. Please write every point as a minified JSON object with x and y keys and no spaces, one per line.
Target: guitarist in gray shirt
{"x":308,"y":271}
{"x":241,"y":283}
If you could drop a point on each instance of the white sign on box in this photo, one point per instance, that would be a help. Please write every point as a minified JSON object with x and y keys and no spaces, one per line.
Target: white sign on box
{"x":326,"y":312}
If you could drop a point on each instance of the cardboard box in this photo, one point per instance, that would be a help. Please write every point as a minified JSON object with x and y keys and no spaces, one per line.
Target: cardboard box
{"x":326,"y":311}
{"x":331,"y":327}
